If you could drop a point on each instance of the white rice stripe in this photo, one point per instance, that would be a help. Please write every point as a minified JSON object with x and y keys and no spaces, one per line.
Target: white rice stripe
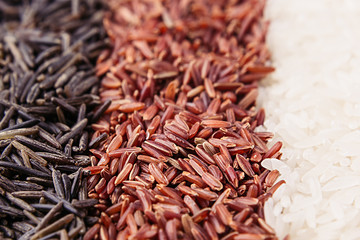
{"x":312,"y":103}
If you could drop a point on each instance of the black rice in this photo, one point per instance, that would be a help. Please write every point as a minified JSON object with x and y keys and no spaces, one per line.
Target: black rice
{"x":48,"y":89}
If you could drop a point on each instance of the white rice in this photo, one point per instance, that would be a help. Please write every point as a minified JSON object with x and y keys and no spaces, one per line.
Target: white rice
{"x":312,"y":103}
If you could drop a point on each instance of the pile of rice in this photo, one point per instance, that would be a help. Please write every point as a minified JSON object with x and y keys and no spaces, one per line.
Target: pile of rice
{"x":312,"y":103}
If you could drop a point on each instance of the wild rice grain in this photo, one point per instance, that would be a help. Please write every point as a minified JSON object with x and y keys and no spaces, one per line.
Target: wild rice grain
{"x":41,"y":50}
{"x":53,"y":227}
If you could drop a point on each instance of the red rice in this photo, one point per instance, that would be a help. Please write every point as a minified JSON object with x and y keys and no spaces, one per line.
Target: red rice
{"x":182,"y":159}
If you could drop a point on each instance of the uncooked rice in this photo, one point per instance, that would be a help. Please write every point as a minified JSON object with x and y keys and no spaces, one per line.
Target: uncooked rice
{"x":313,"y":106}
{"x":182,"y":160}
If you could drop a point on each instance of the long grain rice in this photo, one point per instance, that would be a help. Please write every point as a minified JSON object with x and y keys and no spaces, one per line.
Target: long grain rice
{"x":182,"y":150}
{"x":312,"y":104}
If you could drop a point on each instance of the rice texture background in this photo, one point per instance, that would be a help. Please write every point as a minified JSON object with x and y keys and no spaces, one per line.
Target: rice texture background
{"x":313,"y":105}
